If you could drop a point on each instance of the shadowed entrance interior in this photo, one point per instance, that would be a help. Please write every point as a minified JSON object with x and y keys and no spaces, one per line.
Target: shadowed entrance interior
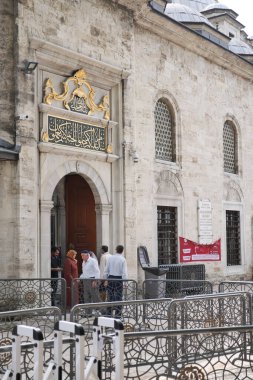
{"x":80,"y":215}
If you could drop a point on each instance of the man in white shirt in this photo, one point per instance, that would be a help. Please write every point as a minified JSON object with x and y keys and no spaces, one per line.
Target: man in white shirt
{"x":116,"y":269}
{"x":103,"y":262}
{"x":90,"y":272}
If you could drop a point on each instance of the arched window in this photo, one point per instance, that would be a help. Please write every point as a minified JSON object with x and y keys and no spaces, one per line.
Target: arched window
{"x":164,"y":132}
{"x":230,"y":148}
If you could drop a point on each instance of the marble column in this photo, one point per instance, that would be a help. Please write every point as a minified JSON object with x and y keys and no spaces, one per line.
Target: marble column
{"x":103,"y":225}
{"x":45,"y":238}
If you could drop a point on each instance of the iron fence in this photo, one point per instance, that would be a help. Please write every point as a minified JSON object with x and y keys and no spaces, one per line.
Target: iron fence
{"x":136,"y":315}
{"x":43,"y":318}
{"x":143,"y":357}
{"x":18,"y":294}
{"x":216,"y":310}
{"x":169,"y":288}
{"x":151,"y":355}
{"x":195,"y":348}
{"x":236,"y":286}
{"x":100,"y":290}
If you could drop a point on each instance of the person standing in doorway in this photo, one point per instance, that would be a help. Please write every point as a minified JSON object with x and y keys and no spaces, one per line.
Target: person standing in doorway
{"x":116,"y":269}
{"x":55,"y":270}
{"x":103,"y":262}
{"x":90,"y":273}
{"x":70,"y":273}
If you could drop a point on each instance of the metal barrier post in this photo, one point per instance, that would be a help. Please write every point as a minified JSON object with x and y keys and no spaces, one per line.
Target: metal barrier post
{"x":55,"y":369}
{"x":16,"y":354}
{"x":94,"y":364}
{"x":37,"y":336}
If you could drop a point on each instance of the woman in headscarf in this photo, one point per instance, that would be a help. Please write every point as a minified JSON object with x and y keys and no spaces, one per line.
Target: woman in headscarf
{"x":71,"y":272}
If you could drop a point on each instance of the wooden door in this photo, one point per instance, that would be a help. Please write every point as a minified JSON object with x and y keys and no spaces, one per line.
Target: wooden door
{"x":80,"y":215}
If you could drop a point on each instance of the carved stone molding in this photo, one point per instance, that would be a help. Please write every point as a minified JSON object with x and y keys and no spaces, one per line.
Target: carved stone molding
{"x":63,"y":60}
{"x":168,"y":183}
{"x":232,"y":192}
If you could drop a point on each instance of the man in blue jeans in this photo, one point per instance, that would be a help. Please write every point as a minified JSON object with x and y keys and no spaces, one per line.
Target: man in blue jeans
{"x":116,"y":269}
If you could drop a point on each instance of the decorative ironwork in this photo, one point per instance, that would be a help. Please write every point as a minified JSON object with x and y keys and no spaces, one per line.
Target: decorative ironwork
{"x":79,"y":286}
{"x":81,"y":99}
{"x":5,"y":358}
{"x":167,"y":235}
{"x":30,"y":297}
{"x":217,"y":310}
{"x":80,"y":135}
{"x":164,"y":134}
{"x":192,"y":372}
{"x":136,"y":315}
{"x":233,"y":237}
{"x":236,"y":286}
{"x":229,"y":148}
{"x":44,"y":318}
{"x":163,"y":338}
{"x":161,"y":288}
{"x":17,"y":294}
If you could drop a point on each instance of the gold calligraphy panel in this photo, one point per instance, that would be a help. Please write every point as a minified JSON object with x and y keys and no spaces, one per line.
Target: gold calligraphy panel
{"x":72,"y":133}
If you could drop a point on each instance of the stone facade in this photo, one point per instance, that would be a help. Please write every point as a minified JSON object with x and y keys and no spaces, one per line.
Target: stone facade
{"x":138,"y":56}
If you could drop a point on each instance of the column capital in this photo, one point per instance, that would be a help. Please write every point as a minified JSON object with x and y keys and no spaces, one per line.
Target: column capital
{"x":46,"y":206}
{"x":103,"y":209}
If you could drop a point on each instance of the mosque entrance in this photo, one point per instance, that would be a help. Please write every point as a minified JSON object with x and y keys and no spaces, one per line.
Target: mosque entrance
{"x":73,"y":218}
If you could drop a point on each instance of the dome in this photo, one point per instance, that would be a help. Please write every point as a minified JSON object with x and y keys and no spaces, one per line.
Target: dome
{"x":198,"y":5}
{"x":239,"y":47}
{"x":216,"y":6}
{"x":182,"y":13}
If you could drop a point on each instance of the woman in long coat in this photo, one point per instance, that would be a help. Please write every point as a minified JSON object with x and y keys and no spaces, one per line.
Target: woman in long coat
{"x":71,"y":272}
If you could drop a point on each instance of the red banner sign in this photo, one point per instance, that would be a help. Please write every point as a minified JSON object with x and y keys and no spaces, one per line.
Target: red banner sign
{"x":191,"y":251}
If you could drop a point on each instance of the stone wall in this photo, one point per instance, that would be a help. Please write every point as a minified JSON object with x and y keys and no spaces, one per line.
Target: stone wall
{"x":203,"y":93}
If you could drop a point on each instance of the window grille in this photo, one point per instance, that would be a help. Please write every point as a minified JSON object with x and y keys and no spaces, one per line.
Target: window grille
{"x":164,"y":136}
{"x":167,"y":235}
{"x":229,"y":148}
{"x":233,"y":237}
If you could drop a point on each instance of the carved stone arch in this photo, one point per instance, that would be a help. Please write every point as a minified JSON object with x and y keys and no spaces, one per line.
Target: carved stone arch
{"x":168,"y":183}
{"x":233,"y":120}
{"x":172,"y":104}
{"x":60,"y":192}
{"x":48,"y":185}
{"x":83,"y":169}
{"x":232,"y":192}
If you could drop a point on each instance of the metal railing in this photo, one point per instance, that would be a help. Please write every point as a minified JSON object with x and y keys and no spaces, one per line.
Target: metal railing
{"x":42,"y":318}
{"x":136,"y":315}
{"x":204,"y":337}
{"x":144,"y":355}
{"x":188,"y":354}
{"x":170,"y":288}
{"x":43,"y":367}
{"x":236,"y":286}
{"x":18,"y":294}
{"x":157,"y":316}
{"x":94,"y":290}
{"x":227,"y":309}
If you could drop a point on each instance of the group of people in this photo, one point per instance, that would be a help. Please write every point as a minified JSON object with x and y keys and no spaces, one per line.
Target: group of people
{"x":103,"y":280}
